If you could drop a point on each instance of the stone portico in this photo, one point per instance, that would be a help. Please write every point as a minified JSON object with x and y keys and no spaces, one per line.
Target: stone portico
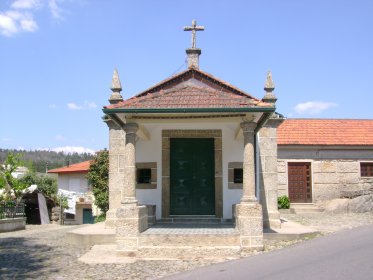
{"x":160,"y":165}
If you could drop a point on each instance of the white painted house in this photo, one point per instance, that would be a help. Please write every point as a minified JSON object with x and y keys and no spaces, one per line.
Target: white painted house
{"x":73,"y":180}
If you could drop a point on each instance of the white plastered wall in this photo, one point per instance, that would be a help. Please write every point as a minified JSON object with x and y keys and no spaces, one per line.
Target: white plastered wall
{"x":151,"y":151}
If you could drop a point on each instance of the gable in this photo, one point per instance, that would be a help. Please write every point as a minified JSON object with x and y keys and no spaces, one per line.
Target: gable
{"x":190,"y":89}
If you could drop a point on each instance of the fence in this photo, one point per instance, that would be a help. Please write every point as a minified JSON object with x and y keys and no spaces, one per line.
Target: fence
{"x":12,"y":210}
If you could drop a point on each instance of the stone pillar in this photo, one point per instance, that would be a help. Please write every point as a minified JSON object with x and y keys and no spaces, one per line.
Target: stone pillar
{"x":132,"y":219}
{"x":116,"y":169}
{"x":249,"y":216}
{"x":268,"y":176}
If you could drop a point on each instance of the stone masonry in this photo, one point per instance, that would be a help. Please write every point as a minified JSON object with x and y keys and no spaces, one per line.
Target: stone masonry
{"x":268,"y":180}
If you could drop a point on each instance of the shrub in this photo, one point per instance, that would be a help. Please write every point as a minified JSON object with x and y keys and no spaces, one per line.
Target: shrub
{"x":283,"y":202}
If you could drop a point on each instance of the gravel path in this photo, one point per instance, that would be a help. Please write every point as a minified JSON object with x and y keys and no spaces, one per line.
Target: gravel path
{"x":41,"y":252}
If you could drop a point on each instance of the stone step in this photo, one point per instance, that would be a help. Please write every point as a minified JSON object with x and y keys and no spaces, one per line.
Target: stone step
{"x":189,"y":252}
{"x":301,"y":208}
{"x":194,"y":220}
{"x":167,"y":240}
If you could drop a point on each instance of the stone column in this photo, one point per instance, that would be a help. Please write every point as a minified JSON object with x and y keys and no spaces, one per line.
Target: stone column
{"x":116,"y":169}
{"x":248,"y":188}
{"x":132,"y":219}
{"x":129,"y":190}
{"x":268,"y":176}
{"x":249,"y":216}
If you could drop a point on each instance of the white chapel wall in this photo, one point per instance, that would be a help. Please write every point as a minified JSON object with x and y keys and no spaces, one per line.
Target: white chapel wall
{"x":151,"y":151}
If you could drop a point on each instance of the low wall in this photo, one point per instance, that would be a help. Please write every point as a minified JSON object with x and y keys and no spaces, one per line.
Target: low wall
{"x":12,"y":224}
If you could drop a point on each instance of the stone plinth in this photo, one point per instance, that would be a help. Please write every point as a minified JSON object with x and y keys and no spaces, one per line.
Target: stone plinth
{"x":249,"y":222}
{"x":131,"y":220}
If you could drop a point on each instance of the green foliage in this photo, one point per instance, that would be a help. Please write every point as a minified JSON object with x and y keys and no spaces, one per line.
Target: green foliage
{"x":13,"y":187}
{"x":61,"y":200}
{"x":283,"y":202}
{"x":100,"y":218}
{"x":46,"y":184}
{"x":98,"y":178}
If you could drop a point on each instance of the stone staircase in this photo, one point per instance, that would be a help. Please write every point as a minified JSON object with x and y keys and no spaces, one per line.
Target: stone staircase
{"x":190,"y":237}
{"x":302,"y":208}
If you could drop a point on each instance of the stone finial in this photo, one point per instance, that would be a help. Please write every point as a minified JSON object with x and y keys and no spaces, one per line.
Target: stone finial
{"x":193,"y":53}
{"x":269,"y":87}
{"x":116,"y":88}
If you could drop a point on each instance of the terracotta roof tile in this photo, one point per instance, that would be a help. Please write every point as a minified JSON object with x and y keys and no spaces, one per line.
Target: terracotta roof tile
{"x":325,"y":132}
{"x":191,"y":89}
{"x":81,"y":167}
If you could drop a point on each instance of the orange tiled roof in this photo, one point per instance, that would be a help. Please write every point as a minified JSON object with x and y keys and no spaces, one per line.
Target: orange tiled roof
{"x":325,"y":132}
{"x":192,"y":88}
{"x":81,"y":167}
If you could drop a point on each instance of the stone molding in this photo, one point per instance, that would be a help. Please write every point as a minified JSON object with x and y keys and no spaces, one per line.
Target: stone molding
{"x":217,"y":135}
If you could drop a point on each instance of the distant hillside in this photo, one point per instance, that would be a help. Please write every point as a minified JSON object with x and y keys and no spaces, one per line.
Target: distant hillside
{"x":40,"y":160}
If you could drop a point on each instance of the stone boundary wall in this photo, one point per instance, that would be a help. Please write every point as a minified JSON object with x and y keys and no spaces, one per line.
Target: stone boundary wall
{"x":330,"y":175}
{"x":12,"y":224}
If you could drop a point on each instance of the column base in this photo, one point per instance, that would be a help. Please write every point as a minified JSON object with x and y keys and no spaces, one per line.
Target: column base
{"x":249,"y":222}
{"x":131,"y":221}
{"x":273,"y":220}
{"x":111,"y":217}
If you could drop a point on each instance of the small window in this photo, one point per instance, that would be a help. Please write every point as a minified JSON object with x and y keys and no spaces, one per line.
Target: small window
{"x":238,"y":176}
{"x":366,"y":169}
{"x":69,"y":216}
{"x":144,"y":175}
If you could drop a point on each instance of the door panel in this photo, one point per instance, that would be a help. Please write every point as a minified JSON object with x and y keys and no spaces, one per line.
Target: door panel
{"x":192,"y":182}
{"x":299,"y":182}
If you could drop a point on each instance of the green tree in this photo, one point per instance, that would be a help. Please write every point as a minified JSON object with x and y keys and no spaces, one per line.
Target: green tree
{"x":98,"y":178}
{"x":13,"y":187}
{"x":46,"y":185}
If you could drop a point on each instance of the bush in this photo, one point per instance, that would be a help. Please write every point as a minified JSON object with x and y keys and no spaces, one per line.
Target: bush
{"x":100,"y":218}
{"x":283,"y":202}
{"x":98,"y":178}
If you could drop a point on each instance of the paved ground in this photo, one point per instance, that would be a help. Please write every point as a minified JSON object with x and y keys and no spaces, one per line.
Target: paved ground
{"x":40,"y":252}
{"x":344,"y":255}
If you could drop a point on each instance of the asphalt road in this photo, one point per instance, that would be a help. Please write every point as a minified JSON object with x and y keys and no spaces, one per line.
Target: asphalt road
{"x":346,"y":255}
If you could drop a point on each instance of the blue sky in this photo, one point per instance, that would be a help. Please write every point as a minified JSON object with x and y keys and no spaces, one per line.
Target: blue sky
{"x":57,"y":58}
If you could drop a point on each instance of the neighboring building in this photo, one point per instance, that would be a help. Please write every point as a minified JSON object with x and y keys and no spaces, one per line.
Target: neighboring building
{"x":323,"y":159}
{"x":73,"y":178}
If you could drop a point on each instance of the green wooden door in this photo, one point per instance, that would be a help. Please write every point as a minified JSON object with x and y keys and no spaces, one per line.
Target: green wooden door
{"x":192,"y":181}
{"x":87,"y":216}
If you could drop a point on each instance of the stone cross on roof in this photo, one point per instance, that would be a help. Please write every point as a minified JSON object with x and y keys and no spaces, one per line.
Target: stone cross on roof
{"x":194,"y":28}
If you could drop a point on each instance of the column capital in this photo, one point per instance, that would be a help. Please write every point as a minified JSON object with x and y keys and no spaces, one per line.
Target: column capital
{"x":131,"y":127}
{"x":110,"y":122}
{"x":248,"y":126}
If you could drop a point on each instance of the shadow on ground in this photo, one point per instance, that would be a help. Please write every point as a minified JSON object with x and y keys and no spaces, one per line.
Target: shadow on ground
{"x":20,"y":259}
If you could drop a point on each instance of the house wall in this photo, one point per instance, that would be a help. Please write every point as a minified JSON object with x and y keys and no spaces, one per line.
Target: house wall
{"x":334,"y":169}
{"x":151,"y":151}
{"x":76,"y":182}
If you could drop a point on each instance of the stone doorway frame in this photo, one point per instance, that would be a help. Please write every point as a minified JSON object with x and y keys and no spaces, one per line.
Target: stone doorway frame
{"x":213,"y":133}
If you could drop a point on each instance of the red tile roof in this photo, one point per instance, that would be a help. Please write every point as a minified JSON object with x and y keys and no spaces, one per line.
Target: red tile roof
{"x":192,"y":88}
{"x":325,"y":132}
{"x":81,"y":167}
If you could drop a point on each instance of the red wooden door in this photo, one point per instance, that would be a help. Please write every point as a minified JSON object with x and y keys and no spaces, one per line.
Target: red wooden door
{"x":299,"y":182}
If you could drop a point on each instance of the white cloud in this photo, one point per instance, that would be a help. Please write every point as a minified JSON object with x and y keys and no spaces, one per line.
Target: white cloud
{"x":6,"y":139}
{"x":25,"y":4}
{"x":19,"y":16}
{"x":73,"y":149}
{"x":85,"y":105}
{"x":60,"y":137}
{"x":90,"y":105}
{"x":55,"y":9}
{"x":73,"y":106}
{"x":313,"y":107}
